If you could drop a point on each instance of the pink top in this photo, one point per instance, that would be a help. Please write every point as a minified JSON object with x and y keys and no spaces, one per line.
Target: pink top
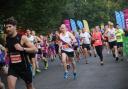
{"x":98,"y":37}
{"x":44,"y":46}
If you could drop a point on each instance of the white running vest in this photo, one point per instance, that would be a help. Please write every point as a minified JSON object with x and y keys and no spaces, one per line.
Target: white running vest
{"x":111,"y":35}
{"x":66,"y":38}
{"x":31,"y":39}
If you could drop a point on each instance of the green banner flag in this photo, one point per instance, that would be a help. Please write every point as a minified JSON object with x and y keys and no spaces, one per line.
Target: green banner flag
{"x":125,"y":46}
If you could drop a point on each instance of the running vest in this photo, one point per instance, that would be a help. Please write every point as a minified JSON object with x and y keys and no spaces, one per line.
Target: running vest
{"x":85,"y":37}
{"x":119,"y":35}
{"x":16,"y":57}
{"x":31,"y":39}
{"x":66,"y":42}
{"x":44,"y":46}
{"x":38,"y":45}
{"x":111,"y":35}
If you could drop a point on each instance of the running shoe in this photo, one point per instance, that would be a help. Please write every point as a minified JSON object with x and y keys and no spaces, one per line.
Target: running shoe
{"x":65,"y":75}
{"x":38,"y":70}
{"x":117,"y":58}
{"x":74,"y":76}
{"x":101,"y":63}
{"x":33,"y":74}
{"x":52,"y":60}
{"x":108,"y":52}
{"x":86,"y":62}
{"x":90,"y":54}
{"x":68,"y":66}
{"x":94,"y":55}
{"x":46,"y":64}
{"x":45,"y":68}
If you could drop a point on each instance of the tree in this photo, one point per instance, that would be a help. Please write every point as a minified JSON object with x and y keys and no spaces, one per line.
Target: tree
{"x":46,"y":15}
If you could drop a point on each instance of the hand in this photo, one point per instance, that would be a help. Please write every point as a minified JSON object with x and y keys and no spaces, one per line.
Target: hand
{"x":93,"y":39}
{"x":19,"y":47}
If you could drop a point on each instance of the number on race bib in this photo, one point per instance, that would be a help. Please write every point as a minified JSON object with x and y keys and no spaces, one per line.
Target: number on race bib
{"x":118,"y":37}
{"x":65,"y":46}
{"x":16,"y":58}
{"x":112,"y":36}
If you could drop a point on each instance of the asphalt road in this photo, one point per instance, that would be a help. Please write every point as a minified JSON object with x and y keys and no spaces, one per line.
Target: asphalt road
{"x":112,"y":75}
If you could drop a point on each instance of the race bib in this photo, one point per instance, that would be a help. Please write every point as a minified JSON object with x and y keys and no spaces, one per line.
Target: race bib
{"x":118,"y":37}
{"x":16,"y":58}
{"x":76,"y":44}
{"x":65,"y":46}
{"x":97,"y":41}
{"x":112,"y":36}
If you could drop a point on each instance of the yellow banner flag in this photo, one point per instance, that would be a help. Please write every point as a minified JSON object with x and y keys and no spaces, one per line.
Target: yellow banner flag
{"x":86,"y":25}
{"x":102,"y":25}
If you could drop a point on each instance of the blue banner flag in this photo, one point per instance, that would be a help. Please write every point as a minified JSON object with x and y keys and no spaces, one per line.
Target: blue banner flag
{"x":80,"y":24}
{"x":73,"y":25}
{"x":122,"y":19}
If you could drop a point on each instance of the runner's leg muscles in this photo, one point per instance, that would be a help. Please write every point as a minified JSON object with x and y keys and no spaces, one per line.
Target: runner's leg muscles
{"x":11,"y":81}
{"x":29,"y":86}
{"x":64,"y":57}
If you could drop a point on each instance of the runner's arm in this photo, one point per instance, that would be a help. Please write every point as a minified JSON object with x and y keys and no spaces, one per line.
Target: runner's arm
{"x":106,"y":33}
{"x":30,"y":47}
{"x":72,"y":37}
{"x":38,"y":39}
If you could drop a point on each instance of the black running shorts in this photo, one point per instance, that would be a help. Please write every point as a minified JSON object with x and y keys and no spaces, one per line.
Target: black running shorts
{"x":22,"y":72}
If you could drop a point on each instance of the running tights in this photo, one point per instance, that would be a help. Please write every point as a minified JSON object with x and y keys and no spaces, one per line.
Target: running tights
{"x":99,"y":51}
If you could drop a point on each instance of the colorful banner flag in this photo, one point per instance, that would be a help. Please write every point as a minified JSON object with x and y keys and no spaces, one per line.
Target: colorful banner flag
{"x":80,"y":24}
{"x":67,"y":23}
{"x":86,"y":25}
{"x":126,"y":18}
{"x":118,"y":19}
{"x":125,"y":46}
{"x":102,"y":25}
{"x":73,"y":25}
{"x":122,"y":19}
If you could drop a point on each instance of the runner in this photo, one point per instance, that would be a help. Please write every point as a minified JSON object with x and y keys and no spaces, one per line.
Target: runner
{"x":81,"y":49}
{"x":2,"y":64}
{"x":76,"y":46}
{"x":119,"y":36}
{"x":86,"y":40}
{"x":57,"y":42}
{"x":97,"y":38}
{"x":66,"y":49}
{"x":32,"y":39}
{"x":111,"y":34}
{"x":38,"y":46}
{"x":106,"y":40}
{"x":17,"y":48}
{"x":44,"y":49}
{"x":52,"y":50}
{"x":92,"y":43}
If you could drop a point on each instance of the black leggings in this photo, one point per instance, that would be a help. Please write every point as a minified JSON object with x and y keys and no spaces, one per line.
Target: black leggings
{"x":99,"y":51}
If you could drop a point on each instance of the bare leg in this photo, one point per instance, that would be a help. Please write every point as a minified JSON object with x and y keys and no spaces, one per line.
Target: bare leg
{"x":11,"y":82}
{"x":30,"y":86}
{"x":2,"y":85}
{"x":85,"y":54}
{"x":64,"y":57}
{"x":33,"y":66}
